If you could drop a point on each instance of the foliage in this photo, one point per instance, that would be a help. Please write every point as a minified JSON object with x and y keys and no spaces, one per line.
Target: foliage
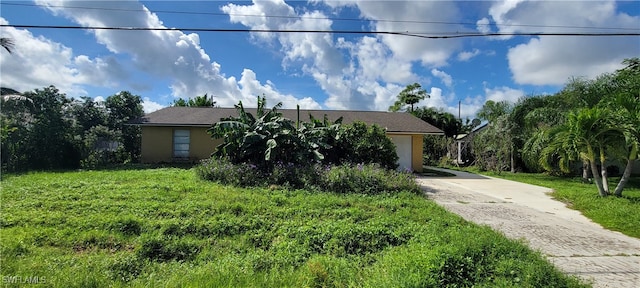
{"x":586,"y":135}
{"x":8,"y":44}
{"x":198,"y":101}
{"x":492,"y":110}
{"x":590,"y":122}
{"x":361,"y":143}
{"x":268,"y":138}
{"x":493,"y":146}
{"x":124,"y":107}
{"x":366,"y":179}
{"x":360,"y":179}
{"x":436,"y":149}
{"x":439,"y":149}
{"x":159,"y":227}
{"x":449,"y":124}
{"x":410,"y":95}
{"x":44,"y":129}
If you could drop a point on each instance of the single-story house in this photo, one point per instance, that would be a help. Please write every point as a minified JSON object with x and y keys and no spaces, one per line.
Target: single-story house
{"x":175,"y":133}
{"x":464,"y":145}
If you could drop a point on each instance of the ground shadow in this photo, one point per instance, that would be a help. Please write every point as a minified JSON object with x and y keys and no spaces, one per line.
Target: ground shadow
{"x":448,"y":173}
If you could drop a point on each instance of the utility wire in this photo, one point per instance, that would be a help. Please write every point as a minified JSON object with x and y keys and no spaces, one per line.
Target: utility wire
{"x":316,"y":18}
{"x":419,"y":35}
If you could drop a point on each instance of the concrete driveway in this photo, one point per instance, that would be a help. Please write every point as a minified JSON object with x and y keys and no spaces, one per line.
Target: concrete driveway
{"x":522,"y":211}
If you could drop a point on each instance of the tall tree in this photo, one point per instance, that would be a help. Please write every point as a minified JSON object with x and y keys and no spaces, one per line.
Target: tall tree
{"x":50,"y":143}
{"x":410,"y":95}
{"x":198,"y":101}
{"x":625,"y":101}
{"x":495,"y":146}
{"x":588,"y":134}
{"x":122,"y":108}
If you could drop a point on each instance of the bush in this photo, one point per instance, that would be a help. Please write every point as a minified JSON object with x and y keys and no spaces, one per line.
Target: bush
{"x":223,"y":171}
{"x":295,"y":176}
{"x":360,"y":143}
{"x":361,"y":178}
{"x":366,"y":179}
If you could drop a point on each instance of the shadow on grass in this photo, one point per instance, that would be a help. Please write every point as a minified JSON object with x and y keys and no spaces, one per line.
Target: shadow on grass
{"x":140,"y":166}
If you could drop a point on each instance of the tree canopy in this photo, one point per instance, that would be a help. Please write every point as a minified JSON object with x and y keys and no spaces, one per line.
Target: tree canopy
{"x":588,"y":125}
{"x":198,"y":101}
{"x":45,"y":129}
{"x":409,"y":96}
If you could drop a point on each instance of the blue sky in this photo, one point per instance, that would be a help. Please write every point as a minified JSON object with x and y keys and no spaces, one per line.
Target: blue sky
{"x":314,"y":70}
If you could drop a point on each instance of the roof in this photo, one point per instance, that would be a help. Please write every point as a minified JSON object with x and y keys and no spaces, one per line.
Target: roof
{"x":397,"y":122}
{"x":462,"y":137}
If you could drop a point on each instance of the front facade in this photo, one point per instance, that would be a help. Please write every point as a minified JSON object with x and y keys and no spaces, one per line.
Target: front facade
{"x":179,"y":134}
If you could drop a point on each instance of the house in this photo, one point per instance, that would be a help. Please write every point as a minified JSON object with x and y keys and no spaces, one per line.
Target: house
{"x":178,"y":133}
{"x":464,"y":145}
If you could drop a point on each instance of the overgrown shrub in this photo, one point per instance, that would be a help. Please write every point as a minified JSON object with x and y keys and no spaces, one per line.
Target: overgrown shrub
{"x":295,"y":176}
{"x":223,"y":171}
{"x":361,"y":143}
{"x":366,"y":179}
{"x":361,"y":178}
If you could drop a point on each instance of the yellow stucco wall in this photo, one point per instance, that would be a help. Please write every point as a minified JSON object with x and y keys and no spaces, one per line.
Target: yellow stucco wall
{"x":157,"y":143}
{"x":416,"y":152}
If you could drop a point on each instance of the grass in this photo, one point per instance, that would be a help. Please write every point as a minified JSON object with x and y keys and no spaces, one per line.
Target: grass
{"x":614,"y":213}
{"x":166,"y":228}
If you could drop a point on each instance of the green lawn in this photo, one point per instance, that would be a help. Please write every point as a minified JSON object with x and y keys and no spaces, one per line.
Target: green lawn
{"x":166,"y":228}
{"x":615,"y":213}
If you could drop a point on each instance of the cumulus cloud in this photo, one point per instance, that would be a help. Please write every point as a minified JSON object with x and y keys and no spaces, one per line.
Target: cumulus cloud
{"x":359,"y":73}
{"x":37,"y":62}
{"x":549,"y":60}
{"x":149,"y":106}
{"x":167,"y":54}
{"x":482,"y":25}
{"x":443,"y":76}
{"x":466,"y":55}
{"x":503,"y":93}
{"x":428,"y":51}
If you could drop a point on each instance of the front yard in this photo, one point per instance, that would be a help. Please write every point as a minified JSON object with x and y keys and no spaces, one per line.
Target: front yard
{"x":166,"y":228}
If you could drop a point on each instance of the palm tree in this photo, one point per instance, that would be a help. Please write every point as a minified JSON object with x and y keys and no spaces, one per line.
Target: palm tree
{"x":588,"y":134}
{"x":7,"y":44}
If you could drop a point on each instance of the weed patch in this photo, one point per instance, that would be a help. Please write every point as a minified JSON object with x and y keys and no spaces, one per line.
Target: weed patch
{"x":141,"y":228}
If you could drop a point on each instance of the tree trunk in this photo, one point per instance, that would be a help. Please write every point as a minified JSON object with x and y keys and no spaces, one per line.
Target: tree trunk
{"x":585,"y":171}
{"x":513,"y":162}
{"x":603,"y":171}
{"x":596,"y":178}
{"x":625,"y":178}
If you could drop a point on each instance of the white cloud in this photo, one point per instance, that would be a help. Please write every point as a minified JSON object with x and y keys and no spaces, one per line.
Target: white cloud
{"x":431,"y":52}
{"x":149,"y":106}
{"x":466,"y":55}
{"x":167,"y":54}
{"x":503,"y":93}
{"x":483,"y":25}
{"x":550,"y":60}
{"x":443,"y":76}
{"x":363,"y":73}
{"x":37,"y":62}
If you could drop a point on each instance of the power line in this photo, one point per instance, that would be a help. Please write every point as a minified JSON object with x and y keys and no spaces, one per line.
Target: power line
{"x":443,"y":35}
{"x":316,"y":18}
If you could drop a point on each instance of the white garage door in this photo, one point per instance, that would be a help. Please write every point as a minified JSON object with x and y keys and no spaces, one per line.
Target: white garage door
{"x":403,"y":148}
